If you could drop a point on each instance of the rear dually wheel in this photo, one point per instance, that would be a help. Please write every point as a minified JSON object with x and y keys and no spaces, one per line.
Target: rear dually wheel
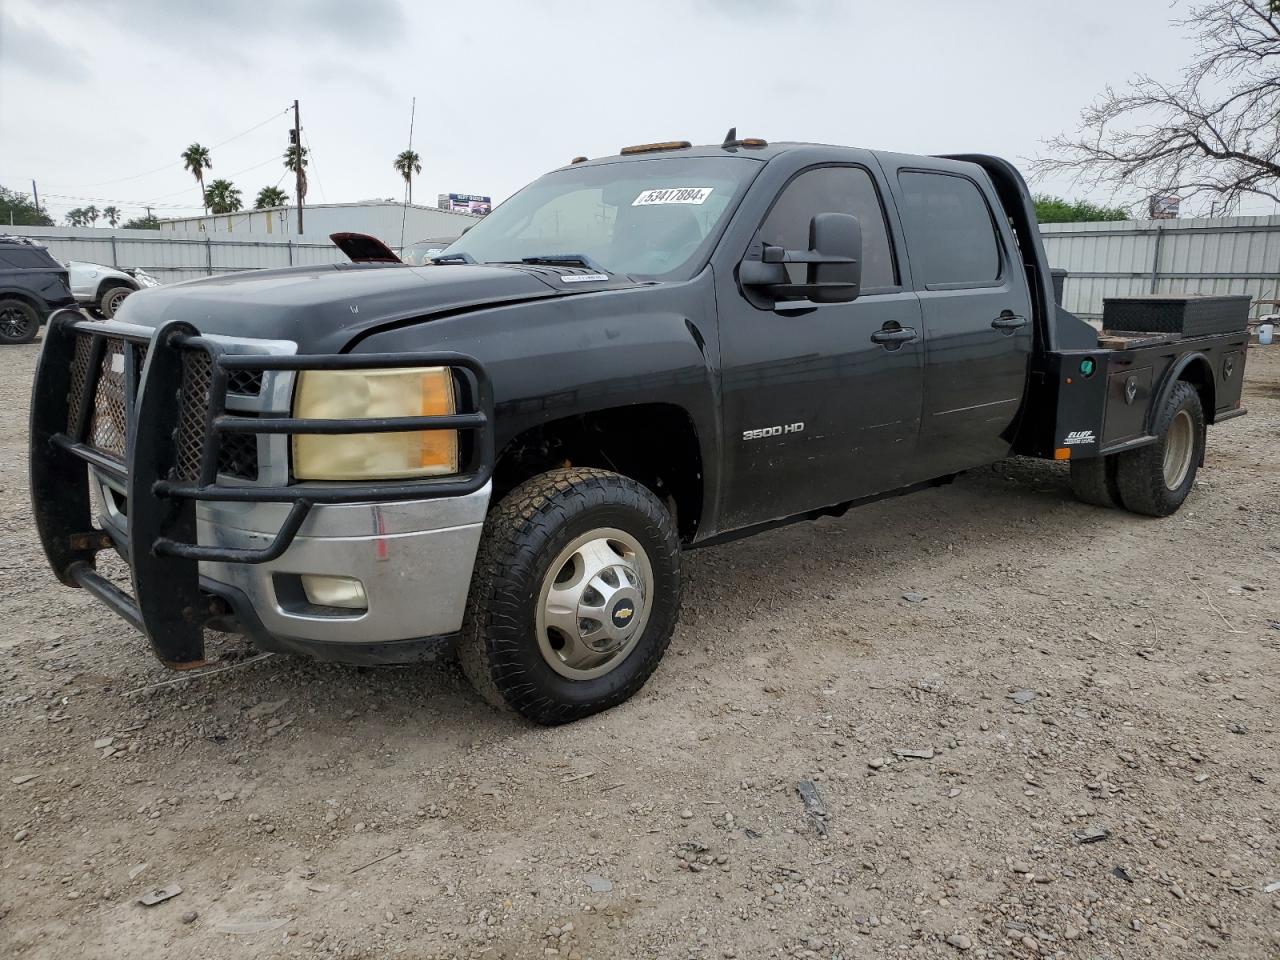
{"x":1156,"y":479}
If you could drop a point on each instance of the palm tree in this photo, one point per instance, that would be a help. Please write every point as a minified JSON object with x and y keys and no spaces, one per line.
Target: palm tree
{"x":270,"y":197}
{"x":295,"y":161}
{"x":91,"y":214}
{"x":196,"y":159}
{"x":112,"y":214}
{"x":75,"y":217}
{"x":222,"y":196}
{"x":408,"y":163}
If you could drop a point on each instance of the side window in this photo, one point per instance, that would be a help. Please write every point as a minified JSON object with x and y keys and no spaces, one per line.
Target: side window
{"x":24,"y":258}
{"x":833,"y":190}
{"x":949,"y":230}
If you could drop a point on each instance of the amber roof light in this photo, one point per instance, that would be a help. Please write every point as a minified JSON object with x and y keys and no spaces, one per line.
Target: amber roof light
{"x":731,"y":140}
{"x":655,"y":147}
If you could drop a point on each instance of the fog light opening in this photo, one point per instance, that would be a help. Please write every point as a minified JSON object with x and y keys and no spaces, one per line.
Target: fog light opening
{"x":323,"y":590}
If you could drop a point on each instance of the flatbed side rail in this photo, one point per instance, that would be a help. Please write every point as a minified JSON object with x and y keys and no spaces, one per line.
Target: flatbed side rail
{"x":1088,"y":403}
{"x":177,"y":422}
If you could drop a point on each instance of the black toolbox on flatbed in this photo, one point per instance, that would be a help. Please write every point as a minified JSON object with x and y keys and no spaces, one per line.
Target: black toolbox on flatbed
{"x":1188,"y":315}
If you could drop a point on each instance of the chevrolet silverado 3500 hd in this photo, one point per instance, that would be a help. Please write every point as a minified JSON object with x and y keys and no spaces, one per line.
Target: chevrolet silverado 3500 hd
{"x":506,"y":451}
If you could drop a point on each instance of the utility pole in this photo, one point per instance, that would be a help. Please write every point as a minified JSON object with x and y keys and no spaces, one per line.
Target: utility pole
{"x":36,"y":193}
{"x":297,"y":157}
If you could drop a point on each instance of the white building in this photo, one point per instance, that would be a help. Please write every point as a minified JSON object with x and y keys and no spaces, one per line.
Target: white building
{"x":384,"y":219}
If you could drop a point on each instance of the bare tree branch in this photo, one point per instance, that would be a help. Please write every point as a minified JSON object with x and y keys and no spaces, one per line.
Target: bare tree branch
{"x":1212,"y":137}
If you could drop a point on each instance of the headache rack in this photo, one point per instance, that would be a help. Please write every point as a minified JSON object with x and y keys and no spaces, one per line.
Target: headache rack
{"x":150,"y":412}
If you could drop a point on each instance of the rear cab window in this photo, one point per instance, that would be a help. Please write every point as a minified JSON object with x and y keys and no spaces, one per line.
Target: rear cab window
{"x":950,"y":231}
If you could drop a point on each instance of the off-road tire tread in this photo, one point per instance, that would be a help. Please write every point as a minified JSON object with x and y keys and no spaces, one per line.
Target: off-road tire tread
{"x":1140,"y":473}
{"x":514,"y":534}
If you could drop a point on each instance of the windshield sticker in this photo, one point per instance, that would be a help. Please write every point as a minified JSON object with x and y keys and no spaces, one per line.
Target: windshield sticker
{"x":672,"y":195}
{"x":584,"y":277}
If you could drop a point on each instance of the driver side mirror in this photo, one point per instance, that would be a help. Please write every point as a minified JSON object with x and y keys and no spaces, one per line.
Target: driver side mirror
{"x":833,"y":262}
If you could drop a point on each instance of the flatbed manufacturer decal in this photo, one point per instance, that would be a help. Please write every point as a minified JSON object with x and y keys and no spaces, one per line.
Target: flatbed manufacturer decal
{"x":1077,"y":437}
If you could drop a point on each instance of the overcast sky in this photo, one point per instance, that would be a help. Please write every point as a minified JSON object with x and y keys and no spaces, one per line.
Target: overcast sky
{"x":98,"y":97}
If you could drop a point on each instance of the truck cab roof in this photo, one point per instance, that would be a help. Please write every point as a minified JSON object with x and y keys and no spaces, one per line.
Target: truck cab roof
{"x":760,"y":151}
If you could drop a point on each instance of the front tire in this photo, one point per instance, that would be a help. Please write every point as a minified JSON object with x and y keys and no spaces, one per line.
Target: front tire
{"x":1155,"y":479}
{"x":19,"y":321}
{"x":575,"y":595}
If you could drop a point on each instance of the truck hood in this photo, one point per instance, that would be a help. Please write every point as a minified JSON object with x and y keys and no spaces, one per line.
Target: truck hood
{"x":323,"y":308}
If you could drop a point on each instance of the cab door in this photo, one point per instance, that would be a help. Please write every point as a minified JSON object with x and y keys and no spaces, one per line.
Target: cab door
{"x":977,"y":314}
{"x":821,"y":402}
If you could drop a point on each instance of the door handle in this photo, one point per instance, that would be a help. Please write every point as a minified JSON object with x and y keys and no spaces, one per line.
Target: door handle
{"x":893,"y":336}
{"x":1008,"y":321}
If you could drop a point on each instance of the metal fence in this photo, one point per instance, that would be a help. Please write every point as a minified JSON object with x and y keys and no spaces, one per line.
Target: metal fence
{"x":1227,"y":255}
{"x":170,"y":258}
{"x":1238,"y":255}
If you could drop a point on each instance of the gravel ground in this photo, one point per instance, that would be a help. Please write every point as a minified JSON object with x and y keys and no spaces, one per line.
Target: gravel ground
{"x":1068,"y":748}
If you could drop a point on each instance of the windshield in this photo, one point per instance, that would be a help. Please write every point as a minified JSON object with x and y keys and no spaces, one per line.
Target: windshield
{"x":648,"y":218}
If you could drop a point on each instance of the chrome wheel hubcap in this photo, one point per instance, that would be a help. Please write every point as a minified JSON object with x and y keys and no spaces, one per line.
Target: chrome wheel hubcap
{"x":593,"y":605}
{"x":1179,"y":445}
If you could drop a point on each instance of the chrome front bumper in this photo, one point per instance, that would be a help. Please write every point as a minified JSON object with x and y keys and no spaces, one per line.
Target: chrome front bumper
{"x":413,"y":558}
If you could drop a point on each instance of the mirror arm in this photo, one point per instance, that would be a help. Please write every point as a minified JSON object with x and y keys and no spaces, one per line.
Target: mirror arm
{"x":811,"y":256}
{"x":805,"y":291}
{"x":772,"y":254}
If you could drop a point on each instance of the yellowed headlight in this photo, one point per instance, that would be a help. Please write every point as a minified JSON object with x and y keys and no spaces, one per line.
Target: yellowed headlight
{"x":370,"y":394}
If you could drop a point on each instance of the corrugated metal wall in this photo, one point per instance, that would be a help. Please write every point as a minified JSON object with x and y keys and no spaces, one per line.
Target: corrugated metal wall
{"x":170,"y":259}
{"x":1127,"y":258}
{"x":386,"y":221}
{"x":1227,"y":255}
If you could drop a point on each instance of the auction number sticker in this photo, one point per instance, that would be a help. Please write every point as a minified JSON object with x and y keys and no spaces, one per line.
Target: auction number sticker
{"x":672,"y":195}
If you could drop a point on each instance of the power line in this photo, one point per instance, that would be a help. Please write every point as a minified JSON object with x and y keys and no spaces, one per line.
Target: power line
{"x":178,"y":162}
{"x":153,"y":201}
{"x":312,"y":158}
{"x":131,"y":203}
{"x":227,"y":177}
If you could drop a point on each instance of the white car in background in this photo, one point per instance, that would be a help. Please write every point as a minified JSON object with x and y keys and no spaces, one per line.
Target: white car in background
{"x":104,"y":288}
{"x":421,"y":252}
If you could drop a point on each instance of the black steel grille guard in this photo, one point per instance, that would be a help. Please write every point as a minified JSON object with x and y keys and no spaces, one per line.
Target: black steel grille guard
{"x":162,"y":549}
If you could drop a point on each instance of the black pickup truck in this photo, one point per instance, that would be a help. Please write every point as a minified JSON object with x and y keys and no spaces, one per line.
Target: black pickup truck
{"x":505,"y":452}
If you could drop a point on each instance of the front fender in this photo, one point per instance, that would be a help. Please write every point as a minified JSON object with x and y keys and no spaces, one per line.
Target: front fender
{"x":123,"y":280}
{"x":556,"y":358}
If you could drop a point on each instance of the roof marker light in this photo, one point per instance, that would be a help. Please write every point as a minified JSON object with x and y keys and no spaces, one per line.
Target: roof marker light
{"x":655,"y":147}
